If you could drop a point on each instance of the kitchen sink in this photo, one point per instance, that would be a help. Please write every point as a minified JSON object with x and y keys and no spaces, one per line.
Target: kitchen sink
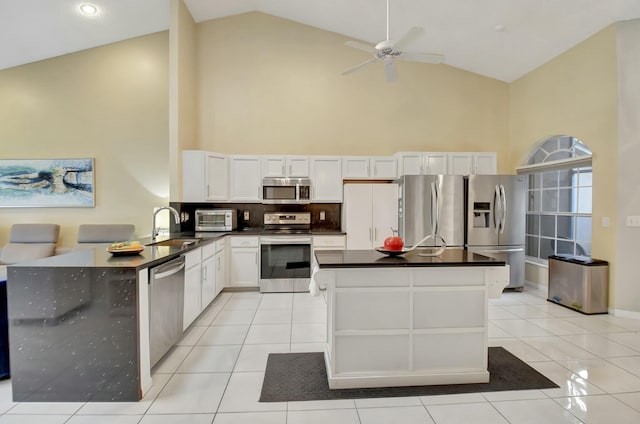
{"x":177,"y":242}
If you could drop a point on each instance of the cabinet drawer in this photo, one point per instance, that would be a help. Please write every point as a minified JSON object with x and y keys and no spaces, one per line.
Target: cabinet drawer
{"x":208,"y":250}
{"x":360,"y":309}
{"x":449,"y":351}
{"x":220,"y":244}
{"x":192,"y":258}
{"x":328,"y":242}
{"x":241,"y":241}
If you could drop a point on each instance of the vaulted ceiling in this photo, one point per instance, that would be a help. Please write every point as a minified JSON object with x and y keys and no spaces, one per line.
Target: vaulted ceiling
{"x":502,"y":39}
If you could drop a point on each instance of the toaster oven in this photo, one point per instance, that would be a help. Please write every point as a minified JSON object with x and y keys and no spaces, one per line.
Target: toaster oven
{"x":216,"y":219}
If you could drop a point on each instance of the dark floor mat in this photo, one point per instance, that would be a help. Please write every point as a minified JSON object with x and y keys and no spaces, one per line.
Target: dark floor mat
{"x":303,"y":376}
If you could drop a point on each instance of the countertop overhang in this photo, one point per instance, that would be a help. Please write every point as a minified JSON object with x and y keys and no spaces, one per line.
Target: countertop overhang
{"x":374,"y":259}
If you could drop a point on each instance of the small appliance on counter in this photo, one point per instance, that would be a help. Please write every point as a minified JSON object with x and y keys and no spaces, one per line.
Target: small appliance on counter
{"x":216,"y":219}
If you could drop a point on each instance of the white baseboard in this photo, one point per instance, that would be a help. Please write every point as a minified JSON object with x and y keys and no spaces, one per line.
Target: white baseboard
{"x":624,"y":314}
{"x":542,"y":288}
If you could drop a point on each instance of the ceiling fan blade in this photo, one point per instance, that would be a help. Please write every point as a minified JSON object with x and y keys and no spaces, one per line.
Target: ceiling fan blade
{"x":390,"y":70}
{"x":422,"y":57}
{"x":410,"y":36}
{"x":358,"y":66}
{"x":360,"y":46}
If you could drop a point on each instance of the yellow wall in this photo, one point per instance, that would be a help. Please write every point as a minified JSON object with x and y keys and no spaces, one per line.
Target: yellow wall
{"x":109,"y":103}
{"x":575,"y":94}
{"x":268,"y":85}
{"x":183,"y":91}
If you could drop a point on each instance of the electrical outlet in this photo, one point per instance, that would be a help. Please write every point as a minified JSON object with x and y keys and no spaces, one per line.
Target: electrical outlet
{"x":246,"y":215}
{"x":633,"y":221}
{"x":322,"y":216}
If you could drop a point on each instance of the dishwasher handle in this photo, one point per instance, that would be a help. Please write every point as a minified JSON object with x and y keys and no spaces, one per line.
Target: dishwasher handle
{"x":169,"y":268}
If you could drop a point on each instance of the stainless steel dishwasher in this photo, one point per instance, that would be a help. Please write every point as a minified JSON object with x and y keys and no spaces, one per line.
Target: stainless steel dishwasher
{"x":166,"y":306}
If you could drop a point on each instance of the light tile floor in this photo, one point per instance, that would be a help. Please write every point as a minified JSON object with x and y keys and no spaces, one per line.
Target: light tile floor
{"x":214,"y":375}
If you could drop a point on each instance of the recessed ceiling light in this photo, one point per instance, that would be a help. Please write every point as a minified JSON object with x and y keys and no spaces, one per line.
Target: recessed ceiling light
{"x":499,"y":28}
{"x":88,"y":9}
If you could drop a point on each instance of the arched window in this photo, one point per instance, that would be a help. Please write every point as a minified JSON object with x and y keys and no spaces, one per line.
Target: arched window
{"x":559,"y":199}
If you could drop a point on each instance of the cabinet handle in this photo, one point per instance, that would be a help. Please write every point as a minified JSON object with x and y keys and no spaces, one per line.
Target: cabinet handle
{"x":290,"y":169}
{"x":375,"y":233}
{"x":375,"y":169}
{"x":208,"y":191}
{"x":368,"y":169}
{"x":283,"y":169}
{"x":370,"y":233}
{"x":204,"y":272}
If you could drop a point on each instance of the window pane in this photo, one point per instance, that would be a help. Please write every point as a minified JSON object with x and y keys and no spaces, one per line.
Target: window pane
{"x":585,"y":178}
{"x":550,"y":179}
{"x":565,"y":142}
{"x":538,"y":157}
{"x":583,"y":228}
{"x":549,"y":200}
{"x":565,"y":247}
{"x":535,"y":180}
{"x":584,"y":200}
{"x":534,"y":200}
{"x":565,"y":227}
{"x":565,"y":201}
{"x":548,"y":225}
{"x":533,"y":226}
{"x":551,"y":144}
{"x":547,"y":247}
{"x":532,"y":247}
{"x":583,"y":249}
{"x":559,"y":155}
{"x":565,"y":178}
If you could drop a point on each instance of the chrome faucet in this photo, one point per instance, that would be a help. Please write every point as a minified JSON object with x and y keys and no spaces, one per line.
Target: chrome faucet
{"x":176,"y":216}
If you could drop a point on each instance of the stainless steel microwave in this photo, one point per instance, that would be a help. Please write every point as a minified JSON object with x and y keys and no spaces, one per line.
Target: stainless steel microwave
{"x":283,"y":191}
{"x":216,"y":219}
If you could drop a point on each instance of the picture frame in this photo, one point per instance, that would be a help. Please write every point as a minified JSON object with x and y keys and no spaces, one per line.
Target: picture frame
{"x":47,"y":183}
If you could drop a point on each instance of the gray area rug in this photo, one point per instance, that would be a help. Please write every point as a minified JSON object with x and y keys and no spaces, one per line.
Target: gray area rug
{"x":303,"y":376}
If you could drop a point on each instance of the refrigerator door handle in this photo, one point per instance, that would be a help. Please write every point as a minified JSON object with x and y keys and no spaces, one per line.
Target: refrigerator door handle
{"x":434,"y":208}
{"x":497,"y":206}
{"x":503,"y":220}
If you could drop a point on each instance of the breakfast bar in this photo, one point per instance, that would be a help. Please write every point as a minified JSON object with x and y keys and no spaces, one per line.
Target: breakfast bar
{"x":407,"y":320}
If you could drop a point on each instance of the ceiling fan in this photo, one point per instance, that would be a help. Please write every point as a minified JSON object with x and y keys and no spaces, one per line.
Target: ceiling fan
{"x":388,"y":51}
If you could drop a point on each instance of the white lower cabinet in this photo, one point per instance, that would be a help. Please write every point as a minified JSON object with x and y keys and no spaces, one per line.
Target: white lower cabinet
{"x":244,"y":261}
{"x":208,"y":288}
{"x":219,"y":270}
{"x":192,"y":287}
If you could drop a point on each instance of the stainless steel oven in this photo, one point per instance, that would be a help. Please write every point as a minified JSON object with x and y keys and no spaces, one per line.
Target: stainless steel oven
{"x":285,"y":252}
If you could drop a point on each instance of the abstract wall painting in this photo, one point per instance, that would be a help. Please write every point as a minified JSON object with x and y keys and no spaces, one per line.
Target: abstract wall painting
{"x":47,"y":183}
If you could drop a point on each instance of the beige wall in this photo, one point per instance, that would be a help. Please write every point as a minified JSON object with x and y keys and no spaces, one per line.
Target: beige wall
{"x":109,"y":103}
{"x":269,"y":85}
{"x":182,"y":91}
{"x":575,"y":94}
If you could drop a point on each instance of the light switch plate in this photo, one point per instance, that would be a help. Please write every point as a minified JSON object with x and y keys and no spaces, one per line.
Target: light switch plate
{"x":633,"y":221}
{"x":605,"y":221}
{"x":246,"y":215}
{"x":322,"y":216}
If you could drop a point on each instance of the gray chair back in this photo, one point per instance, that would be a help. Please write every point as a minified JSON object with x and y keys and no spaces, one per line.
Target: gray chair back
{"x":105,"y":233}
{"x":29,"y":242}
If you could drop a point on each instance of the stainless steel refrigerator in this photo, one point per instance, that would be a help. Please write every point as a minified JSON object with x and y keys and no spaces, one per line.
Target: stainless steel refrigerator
{"x":431,"y":204}
{"x":496,"y":210}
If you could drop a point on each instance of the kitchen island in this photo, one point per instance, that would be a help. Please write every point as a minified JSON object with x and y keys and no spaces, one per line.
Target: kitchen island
{"x":411,"y":320}
{"x":79,"y":325}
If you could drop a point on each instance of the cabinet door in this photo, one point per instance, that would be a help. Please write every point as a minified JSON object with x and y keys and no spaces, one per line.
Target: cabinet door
{"x":217,"y":177}
{"x":219,"y":271}
{"x":384,"y":212}
{"x":355,"y":167}
{"x":194,"y":182}
{"x":384,"y":168}
{"x":434,"y":163}
{"x":244,"y":266}
{"x":485,"y":163}
{"x":208,"y":289}
{"x":409,"y":164}
{"x":326,"y":179}
{"x":460,"y":163}
{"x":273,"y":166}
{"x":192,"y":295}
{"x":246,"y":182}
{"x":357,"y":215}
{"x":297,"y":166}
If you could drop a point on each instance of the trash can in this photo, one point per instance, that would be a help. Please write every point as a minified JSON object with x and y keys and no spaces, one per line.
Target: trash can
{"x":4,"y":332}
{"x":579,"y":283}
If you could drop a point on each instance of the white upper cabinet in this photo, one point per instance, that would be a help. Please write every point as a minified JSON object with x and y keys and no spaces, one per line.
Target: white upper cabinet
{"x":326,"y":179}
{"x":422,"y":163}
{"x":485,"y":163}
{"x":377,"y":167}
{"x":245,"y":178}
{"x":460,"y":163}
{"x":285,"y":166}
{"x":205,"y":176}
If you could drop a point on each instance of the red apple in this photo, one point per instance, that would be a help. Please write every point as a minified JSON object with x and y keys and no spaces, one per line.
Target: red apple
{"x":393,"y":243}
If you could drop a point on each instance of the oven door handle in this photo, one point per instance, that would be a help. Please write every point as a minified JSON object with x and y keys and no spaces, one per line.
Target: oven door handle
{"x":285,"y":240}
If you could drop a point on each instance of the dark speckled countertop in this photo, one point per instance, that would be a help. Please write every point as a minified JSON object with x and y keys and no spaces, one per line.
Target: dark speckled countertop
{"x":374,"y":259}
